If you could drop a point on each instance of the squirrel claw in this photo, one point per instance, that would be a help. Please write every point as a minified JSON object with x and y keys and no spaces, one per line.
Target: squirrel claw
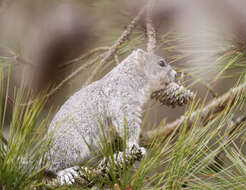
{"x":67,"y":176}
{"x":142,"y":150}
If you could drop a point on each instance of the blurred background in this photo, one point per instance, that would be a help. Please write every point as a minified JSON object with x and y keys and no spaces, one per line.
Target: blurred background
{"x":205,"y":39}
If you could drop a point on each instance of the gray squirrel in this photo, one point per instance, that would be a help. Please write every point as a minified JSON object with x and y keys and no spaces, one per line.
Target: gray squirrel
{"x":119,"y":96}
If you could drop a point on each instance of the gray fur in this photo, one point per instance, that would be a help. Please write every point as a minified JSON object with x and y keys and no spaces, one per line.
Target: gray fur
{"x":119,"y":95}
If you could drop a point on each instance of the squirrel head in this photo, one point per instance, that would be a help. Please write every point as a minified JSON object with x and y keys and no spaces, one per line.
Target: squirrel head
{"x":155,"y":68}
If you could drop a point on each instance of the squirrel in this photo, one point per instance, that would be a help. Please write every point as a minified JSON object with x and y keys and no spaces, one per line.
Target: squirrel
{"x":119,"y":96}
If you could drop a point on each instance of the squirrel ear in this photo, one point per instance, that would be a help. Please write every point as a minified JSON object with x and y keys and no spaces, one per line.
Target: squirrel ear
{"x":140,"y":54}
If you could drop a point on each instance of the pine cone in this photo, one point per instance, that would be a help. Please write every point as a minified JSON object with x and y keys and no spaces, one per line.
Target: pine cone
{"x":174,"y":94}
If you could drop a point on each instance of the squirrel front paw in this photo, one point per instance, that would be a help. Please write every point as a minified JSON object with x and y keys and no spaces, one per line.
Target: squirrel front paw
{"x":142,"y":151}
{"x":67,"y":176}
{"x":136,"y":152}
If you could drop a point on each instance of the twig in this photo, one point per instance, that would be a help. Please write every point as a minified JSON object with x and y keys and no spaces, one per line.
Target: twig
{"x":123,"y":36}
{"x":16,"y":58}
{"x":106,"y":56}
{"x":236,"y":124}
{"x":73,"y":74}
{"x":91,"y":52}
{"x":151,"y":33}
{"x":216,"y":106}
{"x":19,"y":59}
{"x":207,"y":86}
{"x":69,"y":77}
{"x":115,"y":46}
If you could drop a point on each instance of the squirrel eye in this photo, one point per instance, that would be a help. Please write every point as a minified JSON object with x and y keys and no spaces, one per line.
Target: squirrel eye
{"x":162,"y":63}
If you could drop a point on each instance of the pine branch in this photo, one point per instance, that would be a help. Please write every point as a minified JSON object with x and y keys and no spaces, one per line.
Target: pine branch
{"x":105,"y":56}
{"x":17,"y":59}
{"x":88,"y":54}
{"x":206,"y":85}
{"x":151,"y":33}
{"x":72,"y":75}
{"x":235,"y":125}
{"x":68,"y":78}
{"x":213,"y":108}
{"x":88,"y":176}
{"x":114,"y":47}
